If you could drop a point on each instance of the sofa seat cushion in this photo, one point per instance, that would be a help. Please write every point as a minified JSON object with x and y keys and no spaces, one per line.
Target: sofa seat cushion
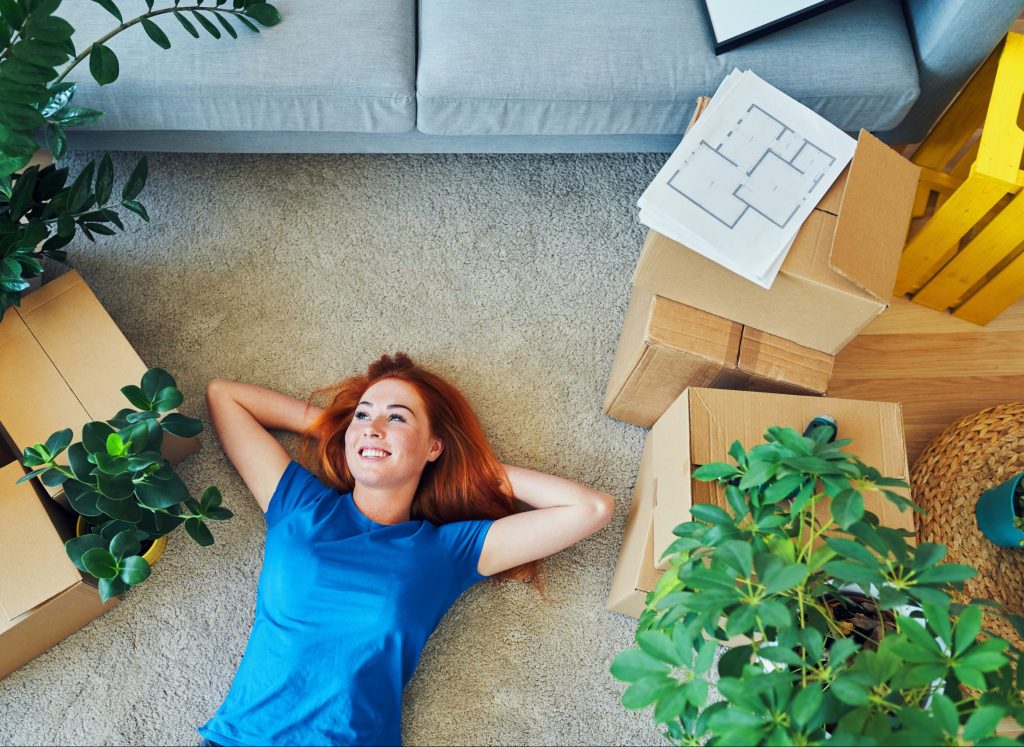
{"x":333,"y":67}
{"x":611,"y":67}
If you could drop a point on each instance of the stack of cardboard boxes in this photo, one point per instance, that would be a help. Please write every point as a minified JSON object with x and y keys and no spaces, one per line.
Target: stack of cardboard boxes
{"x":693,"y":324}
{"x":63,"y":362}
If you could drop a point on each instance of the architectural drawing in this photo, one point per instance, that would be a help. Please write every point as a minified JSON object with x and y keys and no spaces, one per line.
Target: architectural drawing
{"x":760,"y":164}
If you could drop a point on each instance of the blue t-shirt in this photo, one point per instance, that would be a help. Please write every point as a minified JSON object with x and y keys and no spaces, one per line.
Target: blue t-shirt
{"x":344,"y":606}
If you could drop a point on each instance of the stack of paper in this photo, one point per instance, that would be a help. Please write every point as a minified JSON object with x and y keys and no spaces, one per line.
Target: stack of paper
{"x":745,"y":177}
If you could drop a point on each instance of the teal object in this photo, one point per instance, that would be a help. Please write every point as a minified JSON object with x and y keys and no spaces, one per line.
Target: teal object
{"x":995,"y":514}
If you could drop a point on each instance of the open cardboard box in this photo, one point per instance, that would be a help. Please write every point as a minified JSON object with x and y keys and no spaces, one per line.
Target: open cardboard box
{"x":838,"y":275}
{"x":63,"y":362}
{"x":43,"y":597}
{"x":666,"y":346}
{"x":702,"y":424}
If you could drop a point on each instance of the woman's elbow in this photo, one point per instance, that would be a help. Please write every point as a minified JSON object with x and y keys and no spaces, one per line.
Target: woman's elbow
{"x":217,"y":388}
{"x":603,"y":510}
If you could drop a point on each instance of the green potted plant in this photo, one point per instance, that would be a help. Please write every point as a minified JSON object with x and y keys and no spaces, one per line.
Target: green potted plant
{"x":127,"y":496}
{"x":842,"y":631}
{"x":1000,"y":512}
{"x":41,"y":209}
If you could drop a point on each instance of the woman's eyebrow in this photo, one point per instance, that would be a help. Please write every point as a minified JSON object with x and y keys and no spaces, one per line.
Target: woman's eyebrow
{"x":389,"y":407}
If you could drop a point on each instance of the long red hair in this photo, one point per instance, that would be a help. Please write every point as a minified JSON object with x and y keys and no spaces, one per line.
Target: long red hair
{"x":465,"y":482}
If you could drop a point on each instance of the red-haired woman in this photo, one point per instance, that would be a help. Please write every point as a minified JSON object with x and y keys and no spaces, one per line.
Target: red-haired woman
{"x":360,"y":565}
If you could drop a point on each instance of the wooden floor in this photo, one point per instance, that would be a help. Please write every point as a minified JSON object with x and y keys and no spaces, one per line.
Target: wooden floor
{"x":939,"y":367}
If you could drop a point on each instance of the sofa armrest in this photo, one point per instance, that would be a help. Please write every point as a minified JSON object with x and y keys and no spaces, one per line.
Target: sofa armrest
{"x":951,"y":39}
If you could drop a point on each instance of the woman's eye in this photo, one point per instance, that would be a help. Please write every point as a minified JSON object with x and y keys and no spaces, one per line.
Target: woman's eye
{"x":400,"y":418}
{"x":360,"y":415}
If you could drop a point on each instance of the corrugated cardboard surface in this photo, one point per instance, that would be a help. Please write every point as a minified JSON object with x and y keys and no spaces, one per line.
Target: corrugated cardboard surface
{"x":84,"y":343}
{"x":43,"y":597}
{"x":664,"y":347}
{"x":774,"y":358}
{"x":35,"y":400}
{"x":38,"y":630}
{"x":703,"y":423}
{"x":33,"y":563}
{"x":635,"y":574}
{"x":816,"y":300}
{"x":875,"y":211}
{"x":62,"y":341}
{"x":810,"y":313}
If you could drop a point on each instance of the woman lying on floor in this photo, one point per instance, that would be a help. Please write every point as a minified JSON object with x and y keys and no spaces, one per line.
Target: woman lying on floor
{"x":361,"y":565}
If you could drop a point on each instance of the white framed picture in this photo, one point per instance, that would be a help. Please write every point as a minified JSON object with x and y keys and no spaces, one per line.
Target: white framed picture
{"x":736,"y":22}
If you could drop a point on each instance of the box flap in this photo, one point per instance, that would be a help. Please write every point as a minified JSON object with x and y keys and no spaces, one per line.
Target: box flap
{"x":25,"y":368}
{"x":48,"y":291}
{"x":671,"y":437}
{"x":719,"y":417}
{"x":874,"y":216}
{"x":71,"y":331}
{"x":33,"y":564}
{"x":634,"y":570}
{"x":725,"y":416}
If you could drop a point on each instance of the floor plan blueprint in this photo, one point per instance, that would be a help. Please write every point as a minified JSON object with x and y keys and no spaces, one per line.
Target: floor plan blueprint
{"x":745,"y":177}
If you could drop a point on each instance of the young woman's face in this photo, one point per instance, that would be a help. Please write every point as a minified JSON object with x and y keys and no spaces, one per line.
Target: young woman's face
{"x":389,"y":440}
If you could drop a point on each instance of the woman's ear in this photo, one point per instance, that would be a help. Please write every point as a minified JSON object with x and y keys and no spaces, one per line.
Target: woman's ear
{"x":436,"y":447}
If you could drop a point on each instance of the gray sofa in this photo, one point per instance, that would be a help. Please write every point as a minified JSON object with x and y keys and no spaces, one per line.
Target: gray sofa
{"x":520,"y":76}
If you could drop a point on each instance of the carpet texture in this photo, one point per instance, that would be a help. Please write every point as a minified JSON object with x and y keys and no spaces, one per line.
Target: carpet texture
{"x":507,"y":274}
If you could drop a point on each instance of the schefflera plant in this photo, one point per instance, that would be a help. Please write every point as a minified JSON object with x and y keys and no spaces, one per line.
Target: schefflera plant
{"x":117,"y":478}
{"x":777,"y":572}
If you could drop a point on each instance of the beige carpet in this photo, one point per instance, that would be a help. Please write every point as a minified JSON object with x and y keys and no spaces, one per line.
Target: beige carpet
{"x":508,"y":274}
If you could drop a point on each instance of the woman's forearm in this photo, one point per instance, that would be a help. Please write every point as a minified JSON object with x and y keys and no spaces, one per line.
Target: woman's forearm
{"x":541,"y":490}
{"x":271,"y":409}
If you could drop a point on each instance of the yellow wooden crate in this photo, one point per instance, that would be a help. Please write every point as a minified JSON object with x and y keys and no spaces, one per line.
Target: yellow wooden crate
{"x":969,"y":256}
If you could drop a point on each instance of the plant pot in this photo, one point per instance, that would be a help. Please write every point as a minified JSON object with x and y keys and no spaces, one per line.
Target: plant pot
{"x":151,"y":555}
{"x":995,"y":514}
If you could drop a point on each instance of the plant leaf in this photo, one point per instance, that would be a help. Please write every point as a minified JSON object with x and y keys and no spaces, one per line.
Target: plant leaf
{"x":103,"y":64}
{"x":104,"y":179}
{"x":265,"y":13}
{"x":982,"y":722}
{"x":633,"y":664}
{"x":156,"y":33}
{"x":134,"y":570}
{"x":187,"y":24}
{"x":182,"y":425}
{"x":968,"y":626}
{"x":136,"y":181}
{"x":206,"y":24}
{"x":99,"y":562}
{"x":110,"y":8}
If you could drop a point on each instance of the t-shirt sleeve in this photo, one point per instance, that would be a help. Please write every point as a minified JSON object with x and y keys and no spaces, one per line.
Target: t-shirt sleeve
{"x":297,"y":487}
{"x":464,"y":541}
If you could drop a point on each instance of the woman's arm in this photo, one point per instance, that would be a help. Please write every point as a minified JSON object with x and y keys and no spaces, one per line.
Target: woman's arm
{"x":242,"y":415}
{"x":567,"y":512}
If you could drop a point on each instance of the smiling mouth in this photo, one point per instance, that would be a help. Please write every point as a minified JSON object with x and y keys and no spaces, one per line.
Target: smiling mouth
{"x":373,"y":455}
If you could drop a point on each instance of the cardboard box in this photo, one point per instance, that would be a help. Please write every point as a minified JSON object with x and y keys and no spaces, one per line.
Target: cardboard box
{"x":43,"y":597}
{"x":702,"y":424}
{"x":635,"y":574}
{"x":772,"y":364}
{"x":838,"y":275}
{"x":667,"y":346}
{"x":63,"y":362}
